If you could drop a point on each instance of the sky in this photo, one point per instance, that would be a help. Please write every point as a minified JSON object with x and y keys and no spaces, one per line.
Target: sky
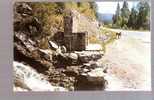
{"x":110,"y":7}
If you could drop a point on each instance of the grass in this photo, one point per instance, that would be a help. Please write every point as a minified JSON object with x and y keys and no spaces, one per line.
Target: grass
{"x":111,"y":36}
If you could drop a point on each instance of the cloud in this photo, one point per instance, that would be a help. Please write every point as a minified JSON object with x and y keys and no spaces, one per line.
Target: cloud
{"x":110,"y":7}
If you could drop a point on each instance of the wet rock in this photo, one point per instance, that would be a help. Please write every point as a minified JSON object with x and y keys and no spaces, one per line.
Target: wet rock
{"x":85,"y":70}
{"x":19,"y":81}
{"x":26,"y":51}
{"x":72,"y":57}
{"x":27,"y":78}
{"x":44,"y":54}
{"x":66,"y":59}
{"x":105,"y":70}
{"x":53,"y":45}
{"x":72,"y":71}
{"x":87,"y":65}
{"x":63,"y":49}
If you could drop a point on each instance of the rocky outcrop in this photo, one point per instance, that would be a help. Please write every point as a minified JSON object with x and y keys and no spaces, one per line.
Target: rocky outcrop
{"x":26,"y":51}
{"x":82,"y":23}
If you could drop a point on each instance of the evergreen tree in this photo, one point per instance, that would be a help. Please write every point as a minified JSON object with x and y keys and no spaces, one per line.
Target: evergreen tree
{"x":125,"y":14}
{"x":117,"y":18}
{"x":117,"y":14}
{"x":118,"y":10}
{"x":143,"y":19}
{"x":132,"y":22}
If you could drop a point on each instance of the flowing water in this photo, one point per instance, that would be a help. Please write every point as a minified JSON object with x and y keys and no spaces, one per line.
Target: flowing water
{"x":28,"y":78}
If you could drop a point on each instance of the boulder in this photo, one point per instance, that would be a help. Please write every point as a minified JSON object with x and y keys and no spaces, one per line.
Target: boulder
{"x":87,"y":56}
{"x":53,"y":45}
{"x":95,"y":57}
{"x":65,"y":59}
{"x":44,"y":54}
{"x":83,"y":58}
{"x":72,"y":56}
{"x":85,"y":70}
{"x":85,"y":82}
{"x":63,"y":49}
{"x":93,"y":80}
{"x":90,"y":65}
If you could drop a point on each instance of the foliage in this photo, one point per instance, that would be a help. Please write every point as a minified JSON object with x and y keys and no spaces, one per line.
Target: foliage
{"x":50,"y":15}
{"x":125,"y":14}
{"x":137,"y":18}
{"x":132,"y":22}
{"x":117,"y":18}
{"x":111,"y":36}
{"x":143,"y":19}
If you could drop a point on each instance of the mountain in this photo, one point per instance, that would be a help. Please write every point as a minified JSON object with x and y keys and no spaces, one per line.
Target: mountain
{"x":107,"y":17}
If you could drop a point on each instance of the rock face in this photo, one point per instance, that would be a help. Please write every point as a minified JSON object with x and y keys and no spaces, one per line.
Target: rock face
{"x":25,"y":51}
{"x":81,"y":23}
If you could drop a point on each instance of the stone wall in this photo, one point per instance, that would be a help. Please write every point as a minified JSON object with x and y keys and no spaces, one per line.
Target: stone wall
{"x":74,"y":40}
{"x":76,"y":30}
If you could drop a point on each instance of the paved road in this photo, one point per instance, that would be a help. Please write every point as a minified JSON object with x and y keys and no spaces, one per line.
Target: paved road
{"x":128,"y":61}
{"x":145,"y":36}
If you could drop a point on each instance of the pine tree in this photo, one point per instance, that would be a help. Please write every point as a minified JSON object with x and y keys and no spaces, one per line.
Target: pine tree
{"x":118,"y":10}
{"x":143,"y":19}
{"x":125,"y":14}
{"x":117,"y":17}
{"x":132,"y":22}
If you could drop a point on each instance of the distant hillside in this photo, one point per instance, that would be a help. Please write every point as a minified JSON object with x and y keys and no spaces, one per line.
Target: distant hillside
{"x":106,"y":18}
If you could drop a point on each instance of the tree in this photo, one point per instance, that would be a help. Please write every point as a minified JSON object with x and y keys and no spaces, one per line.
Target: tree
{"x":143,"y":19}
{"x":125,"y":14}
{"x":94,"y":8}
{"x":118,"y":10}
{"x":117,"y":17}
{"x":132,"y":21}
